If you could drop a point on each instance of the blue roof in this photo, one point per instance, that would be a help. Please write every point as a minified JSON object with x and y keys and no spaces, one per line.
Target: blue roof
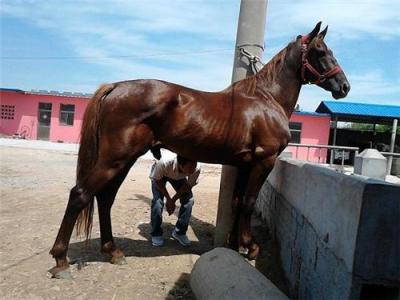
{"x":311,"y":113}
{"x":374,"y":111}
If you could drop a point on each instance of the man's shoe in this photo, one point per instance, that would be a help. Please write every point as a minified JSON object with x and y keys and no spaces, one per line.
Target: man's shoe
{"x":157,"y":241}
{"x":181,"y":238}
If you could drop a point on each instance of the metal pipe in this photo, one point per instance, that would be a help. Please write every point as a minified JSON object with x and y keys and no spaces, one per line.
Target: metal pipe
{"x":334,"y":140}
{"x":325,"y":146}
{"x":392,"y":142}
{"x":319,"y":155}
{"x":342,"y":158}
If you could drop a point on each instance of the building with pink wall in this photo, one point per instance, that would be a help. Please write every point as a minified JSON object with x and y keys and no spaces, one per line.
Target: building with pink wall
{"x":314,"y":130}
{"x":58,"y":117}
{"x":42,"y":115}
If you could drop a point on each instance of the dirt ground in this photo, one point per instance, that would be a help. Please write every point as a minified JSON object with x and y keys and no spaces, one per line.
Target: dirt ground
{"x":34,"y":189}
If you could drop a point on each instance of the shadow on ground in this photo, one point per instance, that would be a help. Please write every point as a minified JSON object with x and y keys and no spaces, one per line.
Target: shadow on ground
{"x":181,"y":289}
{"x":268,"y":261}
{"x":90,"y":252}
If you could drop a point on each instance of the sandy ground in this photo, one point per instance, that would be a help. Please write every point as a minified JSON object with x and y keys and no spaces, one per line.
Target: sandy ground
{"x":35,"y":184}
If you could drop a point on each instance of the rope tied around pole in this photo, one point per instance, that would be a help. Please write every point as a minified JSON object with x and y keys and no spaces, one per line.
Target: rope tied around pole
{"x":253,"y":59}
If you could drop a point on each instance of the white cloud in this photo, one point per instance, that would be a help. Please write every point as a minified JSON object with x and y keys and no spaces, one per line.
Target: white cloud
{"x":104,"y":31}
{"x":349,"y":19}
{"x":108,"y":29}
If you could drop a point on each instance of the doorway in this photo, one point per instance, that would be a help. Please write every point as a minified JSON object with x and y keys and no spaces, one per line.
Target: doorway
{"x":44,"y":119}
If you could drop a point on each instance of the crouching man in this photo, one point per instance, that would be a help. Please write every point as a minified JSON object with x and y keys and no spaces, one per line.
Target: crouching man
{"x":183,"y":175}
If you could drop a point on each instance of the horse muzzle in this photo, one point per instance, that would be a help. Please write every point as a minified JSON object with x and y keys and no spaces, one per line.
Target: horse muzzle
{"x":343,"y":90}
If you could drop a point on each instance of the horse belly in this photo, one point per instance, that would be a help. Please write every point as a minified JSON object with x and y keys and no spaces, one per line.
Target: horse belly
{"x":207,"y":151}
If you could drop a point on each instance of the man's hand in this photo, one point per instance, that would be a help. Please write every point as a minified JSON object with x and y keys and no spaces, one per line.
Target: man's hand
{"x":170,"y":206}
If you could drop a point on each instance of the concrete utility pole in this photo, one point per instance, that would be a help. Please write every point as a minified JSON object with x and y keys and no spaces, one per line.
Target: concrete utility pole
{"x":250,"y":37}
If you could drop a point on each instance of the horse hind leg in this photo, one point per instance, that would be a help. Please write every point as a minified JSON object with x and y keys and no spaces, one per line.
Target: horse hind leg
{"x":106,"y":169}
{"x":105,"y":200}
{"x":81,"y":196}
{"x":78,"y":200}
{"x":139,"y":143}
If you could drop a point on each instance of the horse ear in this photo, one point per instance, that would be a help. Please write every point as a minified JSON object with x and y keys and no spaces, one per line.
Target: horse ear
{"x":322,"y":34}
{"x":315,"y":31}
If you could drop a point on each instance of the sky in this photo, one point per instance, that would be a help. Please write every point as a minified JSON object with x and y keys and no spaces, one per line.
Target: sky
{"x":77,"y":45}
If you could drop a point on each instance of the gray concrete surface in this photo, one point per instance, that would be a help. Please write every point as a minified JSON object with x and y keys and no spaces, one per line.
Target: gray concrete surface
{"x":336,"y":232}
{"x":370,"y":163}
{"x":223,"y":274}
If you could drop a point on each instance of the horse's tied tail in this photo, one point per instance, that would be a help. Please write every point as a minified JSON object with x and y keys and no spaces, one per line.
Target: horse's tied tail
{"x":88,"y":154}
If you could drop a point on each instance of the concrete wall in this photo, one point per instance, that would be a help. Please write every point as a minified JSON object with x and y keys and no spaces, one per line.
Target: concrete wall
{"x":336,"y":232}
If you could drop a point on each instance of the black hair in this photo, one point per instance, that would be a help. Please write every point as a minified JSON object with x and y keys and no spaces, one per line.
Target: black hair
{"x":182,"y":160}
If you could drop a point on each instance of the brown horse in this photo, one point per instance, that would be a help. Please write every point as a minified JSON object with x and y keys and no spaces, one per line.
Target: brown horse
{"x":245,"y":125}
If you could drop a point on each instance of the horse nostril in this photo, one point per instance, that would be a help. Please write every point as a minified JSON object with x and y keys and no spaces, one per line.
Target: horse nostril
{"x":345,"y":88}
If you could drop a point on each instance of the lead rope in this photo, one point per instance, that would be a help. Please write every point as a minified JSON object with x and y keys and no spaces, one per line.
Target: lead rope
{"x":253,"y":60}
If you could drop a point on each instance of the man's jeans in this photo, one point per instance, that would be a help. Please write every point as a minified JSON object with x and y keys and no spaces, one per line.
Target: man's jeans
{"x":157,"y":206}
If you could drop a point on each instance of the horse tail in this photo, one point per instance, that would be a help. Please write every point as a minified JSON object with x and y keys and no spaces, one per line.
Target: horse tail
{"x":88,"y":155}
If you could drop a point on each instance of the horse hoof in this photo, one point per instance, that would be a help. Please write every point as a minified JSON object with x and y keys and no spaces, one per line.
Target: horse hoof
{"x":60,"y":273}
{"x":121,"y":260}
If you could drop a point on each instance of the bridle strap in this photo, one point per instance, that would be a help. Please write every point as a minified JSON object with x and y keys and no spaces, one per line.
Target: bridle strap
{"x":305,"y":65}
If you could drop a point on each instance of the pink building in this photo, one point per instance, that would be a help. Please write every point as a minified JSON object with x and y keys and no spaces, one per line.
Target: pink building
{"x":309,"y":128}
{"x":58,"y":116}
{"x":42,"y":115}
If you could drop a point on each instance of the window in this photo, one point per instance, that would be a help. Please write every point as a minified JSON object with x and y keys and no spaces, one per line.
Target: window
{"x":7,"y":112}
{"x":67,"y":112}
{"x":295,"y":131}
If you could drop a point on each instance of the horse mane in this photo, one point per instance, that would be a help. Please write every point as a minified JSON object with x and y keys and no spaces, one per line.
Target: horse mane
{"x":274,"y":67}
{"x":265,"y":76}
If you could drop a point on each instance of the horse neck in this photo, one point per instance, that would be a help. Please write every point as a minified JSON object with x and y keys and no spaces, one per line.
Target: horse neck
{"x":280,"y":78}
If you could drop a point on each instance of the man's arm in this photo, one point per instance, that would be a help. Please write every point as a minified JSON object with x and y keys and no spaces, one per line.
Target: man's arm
{"x":161,"y":187}
{"x":193,"y":179}
{"x":170,"y":203}
{"x":185,"y":188}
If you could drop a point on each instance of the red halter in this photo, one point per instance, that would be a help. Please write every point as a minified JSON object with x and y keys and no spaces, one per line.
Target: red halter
{"x":306,"y":65}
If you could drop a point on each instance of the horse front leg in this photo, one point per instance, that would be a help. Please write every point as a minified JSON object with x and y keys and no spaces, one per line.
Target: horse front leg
{"x":258,"y":175}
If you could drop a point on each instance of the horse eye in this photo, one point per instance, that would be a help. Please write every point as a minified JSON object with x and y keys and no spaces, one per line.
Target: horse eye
{"x":319,"y":52}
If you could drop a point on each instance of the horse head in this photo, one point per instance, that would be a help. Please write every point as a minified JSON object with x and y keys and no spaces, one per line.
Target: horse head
{"x":319,"y":66}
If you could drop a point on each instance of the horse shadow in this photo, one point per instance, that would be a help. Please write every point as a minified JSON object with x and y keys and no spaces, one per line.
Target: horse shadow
{"x":181,"y":289}
{"x":89,"y":251}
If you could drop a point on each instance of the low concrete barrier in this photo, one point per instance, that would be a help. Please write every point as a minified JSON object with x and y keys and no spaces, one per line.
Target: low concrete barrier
{"x":223,"y":274}
{"x":337,"y":233}
{"x":370,"y":163}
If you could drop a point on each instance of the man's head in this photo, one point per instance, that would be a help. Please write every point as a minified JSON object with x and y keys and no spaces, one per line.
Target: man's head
{"x":185,"y":165}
